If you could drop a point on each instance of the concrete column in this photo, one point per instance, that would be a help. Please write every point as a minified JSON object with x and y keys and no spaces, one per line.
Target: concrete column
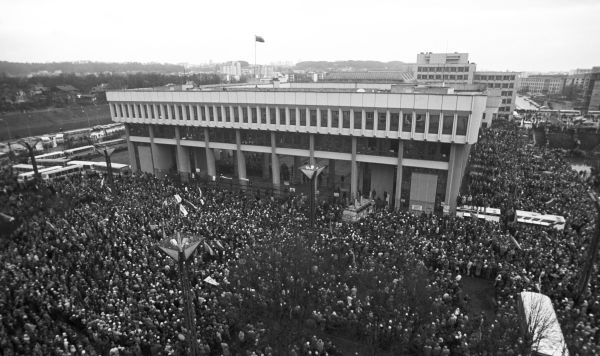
{"x":353,"y":172}
{"x":331,"y":175}
{"x":311,"y":145}
{"x":210,"y":156}
{"x":397,"y":197}
{"x":153,"y":148}
{"x":112,"y":111}
{"x":240,"y":158}
{"x":275,"y":162}
{"x":265,"y":166}
{"x":456,"y":168}
{"x":296,"y":173}
{"x":183,"y":158}
{"x":131,"y":151}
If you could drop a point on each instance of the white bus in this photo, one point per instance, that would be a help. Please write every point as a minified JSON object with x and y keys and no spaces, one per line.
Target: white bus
{"x":80,"y":152}
{"x":489,"y":214}
{"x":546,"y":220}
{"x":540,"y":325}
{"x":51,"y":155}
{"x":22,"y":168}
{"x":100,"y":167}
{"x":62,"y":172}
{"x":28,"y":176}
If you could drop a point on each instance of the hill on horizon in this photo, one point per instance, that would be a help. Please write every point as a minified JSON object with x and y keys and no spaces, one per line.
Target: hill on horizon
{"x":354,"y":65}
{"x":17,"y":69}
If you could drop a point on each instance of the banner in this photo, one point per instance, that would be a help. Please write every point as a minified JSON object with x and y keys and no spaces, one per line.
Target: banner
{"x":211,"y":281}
{"x":177,"y":198}
{"x":183,"y":210}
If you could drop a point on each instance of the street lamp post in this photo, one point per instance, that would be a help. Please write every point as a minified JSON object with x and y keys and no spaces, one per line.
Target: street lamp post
{"x":31,"y":151}
{"x":107,"y":152}
{"x":312,"y":171}
{"x":180,"y":249}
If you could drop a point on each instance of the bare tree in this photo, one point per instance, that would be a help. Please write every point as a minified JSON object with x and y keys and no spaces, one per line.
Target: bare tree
{"x":543,"y":335}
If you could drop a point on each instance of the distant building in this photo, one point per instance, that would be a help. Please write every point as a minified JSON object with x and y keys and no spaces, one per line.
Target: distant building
{"x":506,"y":82}
{"x":546,"y":84}
{"x":579,"y":80}
{"x":592,"y":94}
{"x":445,"y":68}
{"x":64,"y":94}
{"x":391,"y":77}
{"x":233,"y":69}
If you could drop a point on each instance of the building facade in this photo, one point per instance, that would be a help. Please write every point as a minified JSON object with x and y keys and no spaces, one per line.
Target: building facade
{"x":543,"y":84}
{"x":507,"y":82}
{"x":448,"y":68}
{"x":406,"y":146}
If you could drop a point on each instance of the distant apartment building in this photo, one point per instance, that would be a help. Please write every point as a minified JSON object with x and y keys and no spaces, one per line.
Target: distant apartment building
{"x":579,"y":80}
{"x":506,"y":82}
{"x":592,"y":94}
{"x":448,"y":68}
{"x":233,"y":69}
{"x":552,"y":84}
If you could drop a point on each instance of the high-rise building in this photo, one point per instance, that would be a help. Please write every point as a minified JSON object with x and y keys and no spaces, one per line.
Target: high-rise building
{"x":447,"y":68}
{"x":405,"y":144}
{"x":592,"y":93}
{"x":506,"y":82}
{"x":546,"y":84}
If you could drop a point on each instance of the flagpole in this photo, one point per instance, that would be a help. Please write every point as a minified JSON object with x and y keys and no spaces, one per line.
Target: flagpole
{"x":255,"y":56}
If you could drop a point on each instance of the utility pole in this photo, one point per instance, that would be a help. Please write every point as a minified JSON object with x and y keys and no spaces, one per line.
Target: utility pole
{"x":31,"y":150}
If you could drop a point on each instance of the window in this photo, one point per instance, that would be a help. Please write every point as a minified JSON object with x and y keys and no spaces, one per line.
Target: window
{"x":434,"y":123}
{"x":357,"y":119}
{"x":272,"y":116}
{"x":335,"y":118}
{"x":381,"y":121}
{"x":253,"y":115}
{"x":181,"y":112}
{"x":293,"y":116}
{"x":188,"y":112}
{"x":236,"y":114}
{"x":511,"y":85}
{"x":323,"y":117}
{"x":245,"y":115}
{"x":407,"y":122}
{"x":346,"y":119}
{"x":447,"y":124}
{"x":282,"y":116}
{"x":370,"y":120}
{"x":227,"y":113}
{"x":420,"y":123}
{"x":172,"y":116}
{"x":509,"y":100}
{"x":145,"y":110}
{"x":302,"y":117}
{"x":437,"y":76}
{"x":263,"y":116}
{"x":313,"y":118}
{"x":462,"y":122}
{"x":394,"y":121}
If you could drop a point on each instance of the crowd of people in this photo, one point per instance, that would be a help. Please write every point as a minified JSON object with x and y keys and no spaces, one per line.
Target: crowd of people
{"x":82,"y":274}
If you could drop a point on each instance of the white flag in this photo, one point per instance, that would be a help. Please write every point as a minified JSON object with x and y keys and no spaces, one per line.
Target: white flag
{"x":102,"y":183}
{"x":200,"y":189}
{"x":183,"y":210}
{"x":211,"y":281}
{"x":177,"y":198}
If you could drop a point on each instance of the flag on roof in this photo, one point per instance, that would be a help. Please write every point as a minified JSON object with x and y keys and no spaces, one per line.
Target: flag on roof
{"x":259,"y":39}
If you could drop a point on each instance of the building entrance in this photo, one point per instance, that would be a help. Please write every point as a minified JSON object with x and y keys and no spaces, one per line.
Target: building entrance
{"x":422,"y":192}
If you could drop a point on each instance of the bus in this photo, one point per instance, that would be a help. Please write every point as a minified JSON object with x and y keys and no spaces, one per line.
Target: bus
{"x":50,"y":155}
{"x":52,"y":162}
{"x":29,"y":176}
{"x":22,"y":168}
{"x":62,"y":172}
{"x":546,"y":220}
{"x":80,"y":152}
{"x":488,"y":214}
{"x":540,"y":326}
{"x":117,"y":144}
{"x":100,"y":167}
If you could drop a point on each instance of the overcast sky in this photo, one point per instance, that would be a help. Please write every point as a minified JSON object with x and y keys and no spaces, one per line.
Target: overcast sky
{"x":521,"y":35}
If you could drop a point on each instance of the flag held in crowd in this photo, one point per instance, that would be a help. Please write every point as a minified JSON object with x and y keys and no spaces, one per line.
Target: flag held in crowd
{"x":183,"y":210}
{"x":177,"y":198}
{"x":208,"y":249}
{"x":259,"y":39}
{"x":515,"y":242}
{"x":211,"y":281}
{"x":192,"y":205}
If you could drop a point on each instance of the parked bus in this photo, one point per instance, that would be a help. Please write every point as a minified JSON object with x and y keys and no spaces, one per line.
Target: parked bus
{"x":540,"y":326}
{"x":117,"y":144}
{"x":22,"y":168}
{"x":62,"y":172}
{"x":52,"y":161}
{"x":545,"y":220}
{"x":50,"y":155}
{"x":100,"y":167}
{"x":489,"y":214}
{"x":80,"y":152}
{"x":29,"y":176}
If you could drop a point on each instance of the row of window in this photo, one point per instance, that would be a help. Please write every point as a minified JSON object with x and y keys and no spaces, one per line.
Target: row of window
{"x":506,"y":101}
{"x":433,"y":151}
{"x":500,"y":85}
{"x":444,"y":77}
{"x":494,"y":77}
{"x":341,"y":118}
{"x":443,"y":69}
